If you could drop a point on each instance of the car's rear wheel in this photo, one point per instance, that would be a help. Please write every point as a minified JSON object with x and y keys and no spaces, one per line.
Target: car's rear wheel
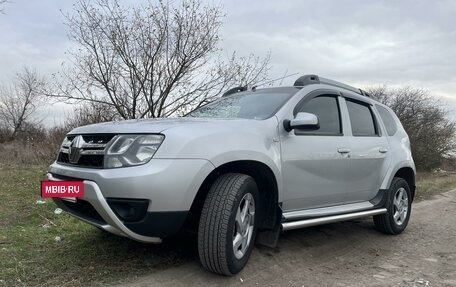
{"x":398,"y":205}
{"x":228,"y":224}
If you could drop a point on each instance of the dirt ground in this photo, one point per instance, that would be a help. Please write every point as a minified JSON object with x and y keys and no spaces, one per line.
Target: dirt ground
{"x":343,"y":254}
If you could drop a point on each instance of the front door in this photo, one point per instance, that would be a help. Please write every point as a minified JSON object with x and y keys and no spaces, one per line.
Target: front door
{"x":315,"y":163}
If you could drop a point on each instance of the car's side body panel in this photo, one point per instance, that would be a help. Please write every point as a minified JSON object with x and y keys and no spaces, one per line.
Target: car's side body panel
{"x":399,"y":150}
{"x":231,"y":140}
{"x":369,"y":158}
{"x":315,"y":172}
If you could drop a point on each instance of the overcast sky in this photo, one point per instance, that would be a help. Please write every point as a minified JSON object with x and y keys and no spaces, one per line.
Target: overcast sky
{"x":360,"y":42}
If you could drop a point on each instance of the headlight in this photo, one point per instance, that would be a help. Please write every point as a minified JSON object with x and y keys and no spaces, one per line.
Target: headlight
{"x":131,"y":150}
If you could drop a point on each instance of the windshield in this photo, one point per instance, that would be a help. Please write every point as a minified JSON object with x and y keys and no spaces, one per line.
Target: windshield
{"x":258,"y":105}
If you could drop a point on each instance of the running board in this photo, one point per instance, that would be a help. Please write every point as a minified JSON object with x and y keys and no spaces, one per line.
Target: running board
{"x":330,"y":219}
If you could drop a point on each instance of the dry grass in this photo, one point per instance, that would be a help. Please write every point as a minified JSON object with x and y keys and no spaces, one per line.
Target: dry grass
{"x":85,"y":256}
{"x":430,"y":183}
{"x":18,"y":153}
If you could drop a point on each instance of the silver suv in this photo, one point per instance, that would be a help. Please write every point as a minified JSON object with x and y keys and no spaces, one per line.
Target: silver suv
{"x":244,"y":168}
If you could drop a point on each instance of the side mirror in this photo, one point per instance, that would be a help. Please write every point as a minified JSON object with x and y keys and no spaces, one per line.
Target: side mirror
{"x":302,"y":121}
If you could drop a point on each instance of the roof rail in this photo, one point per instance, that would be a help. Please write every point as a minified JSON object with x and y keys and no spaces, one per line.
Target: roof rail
{"x":304,"y":81}
{"x":314,"y":79}
{"x":234,"y":90}
{"x":364,"y":93}
{"x":307,"y":80}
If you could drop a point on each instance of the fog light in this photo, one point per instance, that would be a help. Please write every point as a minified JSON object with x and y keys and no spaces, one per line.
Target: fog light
{"x":129,"y":210}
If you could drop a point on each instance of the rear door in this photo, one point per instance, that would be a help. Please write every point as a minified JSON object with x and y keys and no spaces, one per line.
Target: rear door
{"x":369,"y":150}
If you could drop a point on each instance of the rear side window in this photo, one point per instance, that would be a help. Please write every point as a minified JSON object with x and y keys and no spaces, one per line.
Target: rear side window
{"x":388,"y":120}
{"x":326,"y":108}
{"x":361,"y":119}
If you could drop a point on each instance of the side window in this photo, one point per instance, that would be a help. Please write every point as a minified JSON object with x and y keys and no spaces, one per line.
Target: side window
{"x":361,"y":119}
{"x":388,"y":120}
{"x":326,"y":108}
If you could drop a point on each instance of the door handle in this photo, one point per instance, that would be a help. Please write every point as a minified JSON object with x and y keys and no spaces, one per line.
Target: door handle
{"x":383,"y":150}
{"x":343,"y":150}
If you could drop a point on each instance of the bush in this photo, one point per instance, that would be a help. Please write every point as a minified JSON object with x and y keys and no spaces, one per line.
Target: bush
{"x":426,"y":121}
{"x":38,"y":147}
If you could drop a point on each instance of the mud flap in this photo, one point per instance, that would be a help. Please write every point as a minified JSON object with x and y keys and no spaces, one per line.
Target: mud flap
{"x":269,"y":238}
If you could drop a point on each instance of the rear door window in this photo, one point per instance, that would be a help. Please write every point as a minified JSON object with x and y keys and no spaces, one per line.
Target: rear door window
{"x":361,"y":119}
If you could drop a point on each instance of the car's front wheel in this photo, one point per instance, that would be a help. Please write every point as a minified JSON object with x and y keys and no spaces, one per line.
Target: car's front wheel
{"x":228,"y":224}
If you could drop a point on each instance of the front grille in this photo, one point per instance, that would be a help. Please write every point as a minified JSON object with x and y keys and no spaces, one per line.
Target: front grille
{"x":93,"y":161}
{"x":84,"y":150}
{"x":64,"y":177}
{"x":85,"y":210}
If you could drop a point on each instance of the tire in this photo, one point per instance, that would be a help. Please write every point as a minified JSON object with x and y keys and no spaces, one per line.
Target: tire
{"x":220,"y":224}
{"x":399,"y":199}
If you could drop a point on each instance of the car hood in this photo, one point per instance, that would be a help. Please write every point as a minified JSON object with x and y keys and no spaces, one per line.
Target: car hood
{"x":151,"y":125}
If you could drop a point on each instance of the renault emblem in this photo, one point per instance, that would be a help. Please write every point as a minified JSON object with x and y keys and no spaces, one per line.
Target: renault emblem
{"x":74,"y":151}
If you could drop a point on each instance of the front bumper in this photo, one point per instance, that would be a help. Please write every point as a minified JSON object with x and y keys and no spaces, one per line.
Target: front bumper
{"x":110,"y":222}
{"x":169,"y":187}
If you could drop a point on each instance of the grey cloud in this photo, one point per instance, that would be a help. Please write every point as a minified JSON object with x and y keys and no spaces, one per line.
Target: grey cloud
{"x":366,"y":42}
{"x":360,"y":42}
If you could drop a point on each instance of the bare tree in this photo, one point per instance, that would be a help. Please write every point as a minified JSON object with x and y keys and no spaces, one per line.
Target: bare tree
{"x":425,"y":118}
{"x":19,"y":100}
{"x":90,"y":113}
{"x":153,"y":60}
{"x":2,"y":3}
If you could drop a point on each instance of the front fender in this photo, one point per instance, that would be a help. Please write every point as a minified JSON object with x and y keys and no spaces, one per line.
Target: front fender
{"x":272,"y":160}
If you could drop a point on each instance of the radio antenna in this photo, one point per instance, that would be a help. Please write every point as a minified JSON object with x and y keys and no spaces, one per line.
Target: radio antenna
{"x":281,"y":81}
{"x":270,"y":81}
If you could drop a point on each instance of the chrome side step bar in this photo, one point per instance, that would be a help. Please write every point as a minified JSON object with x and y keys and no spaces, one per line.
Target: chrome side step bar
{"x":330,"y":219}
